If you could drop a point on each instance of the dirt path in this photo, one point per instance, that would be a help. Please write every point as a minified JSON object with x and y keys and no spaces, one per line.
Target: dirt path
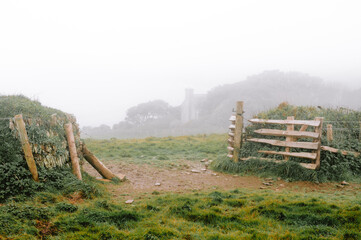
{"x":193,"y":176}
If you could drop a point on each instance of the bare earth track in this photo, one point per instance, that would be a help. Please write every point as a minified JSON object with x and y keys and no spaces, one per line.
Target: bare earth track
{"x":141,"y":180}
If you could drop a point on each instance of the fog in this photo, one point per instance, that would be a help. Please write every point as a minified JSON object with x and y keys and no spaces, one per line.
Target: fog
{"x":96,"y":59}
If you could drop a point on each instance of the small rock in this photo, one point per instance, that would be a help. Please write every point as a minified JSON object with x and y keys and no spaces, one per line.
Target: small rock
{"x":210,"y":161}
{"x":262,"y":187}
{"x":130,"y":201}
{"x":344,"y":183}
{"x":203,"y":169}
{"x":340,"y":186}
{"x":279,"y":179}
{"x":204,"y":160}
{"x":188,"y":173}
{"x":157,"y":184}
{"x":281,"y":185}
{"x":267,"y":183}
{"x":268,"y":179}
{"x":277,"y":190}
{"x":195,"y":171}
{"x":214,"y":174}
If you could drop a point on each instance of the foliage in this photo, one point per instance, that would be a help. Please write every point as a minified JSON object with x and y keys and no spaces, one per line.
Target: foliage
{"x":145,"y":112}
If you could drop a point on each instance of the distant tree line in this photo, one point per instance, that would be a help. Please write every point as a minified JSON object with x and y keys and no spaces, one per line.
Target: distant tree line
{"x":259,"y":92}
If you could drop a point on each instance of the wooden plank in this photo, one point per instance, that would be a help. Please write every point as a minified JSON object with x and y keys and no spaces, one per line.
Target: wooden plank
{"x":238,"y":130}
{"x":282,"y":133}
{"x":72,"y":150}
{"x":20,"y":125}
{"x":309,"y":165}
{"x":232,"y":118}
{"x":305,"y":165}
{"x":263,"y":159}
{"x":343,"y":152}
{"x":294,"y":122}
{"x":302,"y":129}
{"x":289,"y":139}
{"x":306,"y":145}
{"x":292,"y":154}
{"x":230,"y":148}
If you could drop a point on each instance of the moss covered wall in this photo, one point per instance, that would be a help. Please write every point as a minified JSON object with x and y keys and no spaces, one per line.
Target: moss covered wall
{"x":45,"y":128}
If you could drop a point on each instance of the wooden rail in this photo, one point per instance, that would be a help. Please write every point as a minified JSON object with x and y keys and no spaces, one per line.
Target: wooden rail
{"x":315,"y":123}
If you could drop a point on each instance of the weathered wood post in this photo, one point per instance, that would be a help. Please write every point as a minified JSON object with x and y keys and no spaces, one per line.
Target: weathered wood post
{"x":20,"y":125}
{"x":238,"y":131}
{"x":329,"y":133}
{"x":290,"y":127}
{"x":53,"y":120}
{"x":72,"y":150}
{"x":97,"y":164}
{"x":318,"y":151}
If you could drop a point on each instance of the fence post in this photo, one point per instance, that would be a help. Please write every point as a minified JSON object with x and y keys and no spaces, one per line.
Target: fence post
{"x":329,"y":133}
{"x":318,"y":151}
{"x":290,"y":127}
{"x":238,"y":131}
{"x":20,"y":125}
{"x":72,"y":150}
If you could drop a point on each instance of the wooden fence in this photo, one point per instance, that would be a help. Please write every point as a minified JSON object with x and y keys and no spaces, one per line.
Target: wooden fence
{"x":296,"y":130}
{"x":292,"y":139}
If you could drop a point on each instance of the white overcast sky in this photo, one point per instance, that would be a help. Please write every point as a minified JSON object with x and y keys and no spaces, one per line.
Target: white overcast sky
{"x":96,"y":59}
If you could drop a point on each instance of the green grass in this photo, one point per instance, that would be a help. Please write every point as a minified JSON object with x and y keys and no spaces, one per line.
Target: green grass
{"x":236,"y":214}
{"x":161,"y":152}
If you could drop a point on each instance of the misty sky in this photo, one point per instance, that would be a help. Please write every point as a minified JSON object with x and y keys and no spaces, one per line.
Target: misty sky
{"x":96,"y":59}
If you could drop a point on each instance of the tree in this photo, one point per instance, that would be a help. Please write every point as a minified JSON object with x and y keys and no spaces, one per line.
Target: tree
{"x":145,"y":112}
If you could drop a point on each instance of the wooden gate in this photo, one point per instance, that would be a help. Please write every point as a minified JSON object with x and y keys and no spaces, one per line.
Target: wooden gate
{"x":292,"y":139}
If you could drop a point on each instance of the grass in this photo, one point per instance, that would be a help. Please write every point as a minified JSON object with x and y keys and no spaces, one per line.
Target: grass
{"x":236,"y":214}
{"x":161,"y":152}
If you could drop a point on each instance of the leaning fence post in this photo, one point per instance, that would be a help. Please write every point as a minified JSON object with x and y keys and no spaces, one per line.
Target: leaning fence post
{"x":238,"y":131}
{"x":72,"y":150}
{"x":329,"y":133}
{"x":20,"y":125}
